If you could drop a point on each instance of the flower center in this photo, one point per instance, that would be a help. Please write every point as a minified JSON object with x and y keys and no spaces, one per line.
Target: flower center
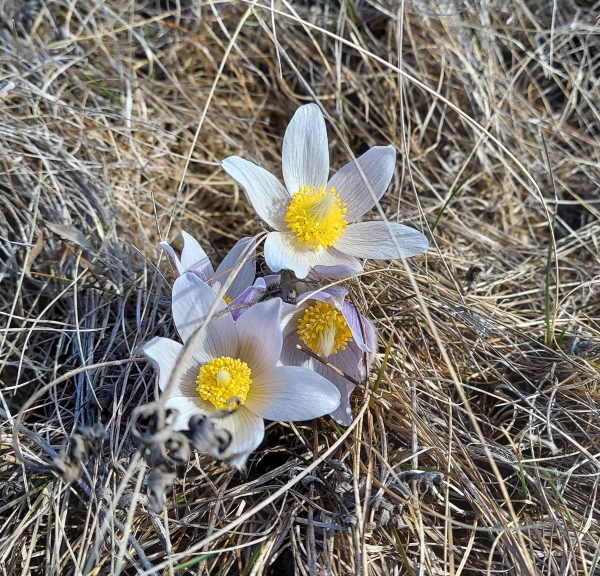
{"x":323,"y":329}
{"x":224,"y":382}
{"x":316,"y":217}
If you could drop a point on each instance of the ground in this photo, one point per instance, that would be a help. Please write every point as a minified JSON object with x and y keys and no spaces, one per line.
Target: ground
{"x":474,"y":448}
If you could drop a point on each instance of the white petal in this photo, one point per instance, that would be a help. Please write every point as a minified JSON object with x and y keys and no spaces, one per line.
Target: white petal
{"x":374,"y":240}
{"x":193,"y":257}
{"x":186,"y":408}
{"x":246,"y":274}
{"x":290,"y":314}
{"x":163,"y":353}
{"x":346,"y":360}
{"x":378,"y":164}
{"x":286,"y":393}
{"x":192,"y":300}
{"x":266,"y":194}
{"x":305,"y":153}
{"x":259,"y":336}
{"x":186,"y":388}
{"x":283,"y":252}
{"x":247,"y":432}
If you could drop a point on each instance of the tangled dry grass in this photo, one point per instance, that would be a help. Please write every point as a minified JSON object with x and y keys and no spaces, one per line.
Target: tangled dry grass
{"x":475,"y":446}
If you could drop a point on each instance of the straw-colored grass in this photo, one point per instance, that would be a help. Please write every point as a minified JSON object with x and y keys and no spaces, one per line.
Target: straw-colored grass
{"x":475,"y":445}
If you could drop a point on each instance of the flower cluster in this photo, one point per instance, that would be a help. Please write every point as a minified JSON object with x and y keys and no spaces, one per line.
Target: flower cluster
{"x":262,"y":354}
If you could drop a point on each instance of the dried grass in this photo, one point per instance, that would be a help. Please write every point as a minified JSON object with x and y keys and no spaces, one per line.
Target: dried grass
{"x":490,"y":387}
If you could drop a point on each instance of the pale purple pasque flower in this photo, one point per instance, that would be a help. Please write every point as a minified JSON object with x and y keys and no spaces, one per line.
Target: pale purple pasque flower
{"x":235,"y":369}
{"x":325,"y":323}
{"x":316,"y":217}
{"x":243,"y":291}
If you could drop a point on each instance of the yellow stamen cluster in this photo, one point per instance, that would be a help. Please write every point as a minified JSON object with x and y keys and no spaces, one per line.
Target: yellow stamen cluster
{"x":316,"y":216}
{"x":323,"y":329}
{"x":227,"y":299}
{"x":224,"y":382}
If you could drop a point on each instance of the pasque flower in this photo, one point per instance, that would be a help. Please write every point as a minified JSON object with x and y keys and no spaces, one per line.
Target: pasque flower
{"x":325,"y":323}
{"x":194,"y":259}
{"x":316,"y":217}
{"x":235,"y":369}
{"x":243,"y":291}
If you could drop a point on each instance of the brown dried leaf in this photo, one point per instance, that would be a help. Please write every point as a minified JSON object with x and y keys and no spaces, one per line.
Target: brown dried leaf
{"x":69,"y":233}
{"x":35,"y":251}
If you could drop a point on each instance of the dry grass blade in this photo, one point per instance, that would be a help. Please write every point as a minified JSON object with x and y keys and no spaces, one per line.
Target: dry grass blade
{"x":474,"y":450}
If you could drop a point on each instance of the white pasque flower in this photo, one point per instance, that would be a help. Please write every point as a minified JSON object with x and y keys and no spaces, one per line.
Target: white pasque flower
{"x":242,"y":292}
{"x":316,"y":217}
{"x":325,"y":323}
{"x":234,"y":369}
{"x":194,"y":259}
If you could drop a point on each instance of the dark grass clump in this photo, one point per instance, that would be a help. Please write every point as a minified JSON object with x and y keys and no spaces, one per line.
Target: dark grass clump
{"x":474,"y":448}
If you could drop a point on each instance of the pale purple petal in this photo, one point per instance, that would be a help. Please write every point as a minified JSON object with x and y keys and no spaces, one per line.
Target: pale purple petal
{"x":378,"y":165}
{"x":334,"y":263}
{"x":333,"y":295}
{"x":338,"y":272}
{"x":343,"y":413}
{"x":337,"y":292}
{"x":370,"y":337}
{"x":260,"y":291}
{"x":259,"y":336}
{"x":192,"y":300}
{"x":176,"y":265}
{"x":305,"y":152}
{"x":374,"y":240}
{"x":247,"y":432}
{"x":272,"y":281}
{"x":220,"y":339}
{"x":194,"y":258}
{"x":288,"y":393}
{"x":350,"y":362}
{"x":244,"y":301}
{"x":246,"y":273}
{"x":291,"y":355}
{"x":164,"y":355}
{"x":266,"y":194}
{"x":363,"y":331}
{"x":347,"y":360}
